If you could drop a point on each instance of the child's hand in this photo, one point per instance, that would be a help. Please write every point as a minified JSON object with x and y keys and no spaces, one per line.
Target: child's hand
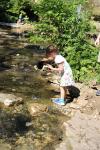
{"x":50,"y":67}
{"x":97,"y":42}
{"x":44,"y":59}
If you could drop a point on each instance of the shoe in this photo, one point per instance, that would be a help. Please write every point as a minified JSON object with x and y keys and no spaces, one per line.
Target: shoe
{"x":59,"y":101}
{"x":98,"y":93}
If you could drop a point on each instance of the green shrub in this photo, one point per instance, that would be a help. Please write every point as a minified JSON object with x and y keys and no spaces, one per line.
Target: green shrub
{"x":61,"y":24}
{"x":10,"y":9}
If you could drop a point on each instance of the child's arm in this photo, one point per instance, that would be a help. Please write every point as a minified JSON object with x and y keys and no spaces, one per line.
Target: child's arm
{"x":60,"y":68}
{"x":47,"y":59}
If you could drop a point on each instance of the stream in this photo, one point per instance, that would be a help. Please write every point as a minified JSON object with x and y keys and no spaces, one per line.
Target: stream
{"x":19,"y":130}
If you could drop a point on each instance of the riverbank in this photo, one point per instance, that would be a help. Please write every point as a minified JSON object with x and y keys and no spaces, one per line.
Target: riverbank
{"x":82,"y":131}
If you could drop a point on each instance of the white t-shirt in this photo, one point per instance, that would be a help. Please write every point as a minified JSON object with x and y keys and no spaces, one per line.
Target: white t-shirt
{"x":60,"y":59}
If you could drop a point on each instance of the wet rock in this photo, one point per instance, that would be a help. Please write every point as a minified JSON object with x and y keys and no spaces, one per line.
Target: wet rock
{"x":13,"y":90}
{"x":25,"y":147}
{"x":36,"y":108}
{"x":54,"y":79}
{"x":9,"y":99}
{"x":34,"y":97}
{"x":28,"y":124}
{"x":66,"y":110}
{"x":17,"y":54}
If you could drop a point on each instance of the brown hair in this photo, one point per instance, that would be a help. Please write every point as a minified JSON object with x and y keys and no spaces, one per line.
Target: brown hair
{"x":51,"y":49}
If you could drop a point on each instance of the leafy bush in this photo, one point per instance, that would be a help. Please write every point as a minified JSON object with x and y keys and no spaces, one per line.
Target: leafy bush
{"x":12,"y":8}
{"x":65,"y":24}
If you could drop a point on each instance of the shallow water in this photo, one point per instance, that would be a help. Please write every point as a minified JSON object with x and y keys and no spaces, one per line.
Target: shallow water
{"x":17,"y":76}
{"x":21,"y":77}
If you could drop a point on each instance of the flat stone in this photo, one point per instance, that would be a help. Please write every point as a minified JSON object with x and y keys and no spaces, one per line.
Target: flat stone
{"x":82,"y":132}
{"x":9,"y":99}
{"x":74,"y":106}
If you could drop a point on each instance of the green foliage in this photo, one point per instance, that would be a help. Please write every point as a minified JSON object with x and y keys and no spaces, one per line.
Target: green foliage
{"x":4,"y":5}
{"x":12,"y":8}
{"x":62,"y":25}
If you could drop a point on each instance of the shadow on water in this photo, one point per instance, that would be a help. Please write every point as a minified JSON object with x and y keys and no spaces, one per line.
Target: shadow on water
{"x":11,"y":125}
{"x":22,"y":80}
{"x":44,"y":128}
{"x":20,"y":76}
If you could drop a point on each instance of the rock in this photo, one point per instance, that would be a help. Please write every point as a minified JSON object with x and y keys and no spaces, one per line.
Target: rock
{"x":82,"y":133}
{"x":28,"y":124}
{"x":36,"y":108}
{"x":54,"y":78}
{"x":17,"y":54}
{"x":35,"y":67}
{"x":34,"y":98}
{"x":63,"y":146}
{"x":5,"y":146}
{"x":82,"y":103}
{"x":9,"y":99}
{"x":13,"y":90}
{"x":25,"y":147}
{"x":74,"y":106}
{"x":85,"y":97}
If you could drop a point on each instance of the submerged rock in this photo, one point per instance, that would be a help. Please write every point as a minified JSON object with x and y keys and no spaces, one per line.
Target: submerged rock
{"x":5,"y":147}
{"x":9,"y":99}
{"x":25,"y":147}
{"x":36,"y":108}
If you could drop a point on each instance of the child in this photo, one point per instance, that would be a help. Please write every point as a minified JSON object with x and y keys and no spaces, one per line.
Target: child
{"x":20,"y":18}
{"x":97,"y":43}
{"x":66,"y":77}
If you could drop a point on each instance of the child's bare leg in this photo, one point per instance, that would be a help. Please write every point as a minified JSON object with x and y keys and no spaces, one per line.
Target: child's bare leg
{"x":62,"y":93}
{"x":61,"y":100}
{"x":66,"y":92}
